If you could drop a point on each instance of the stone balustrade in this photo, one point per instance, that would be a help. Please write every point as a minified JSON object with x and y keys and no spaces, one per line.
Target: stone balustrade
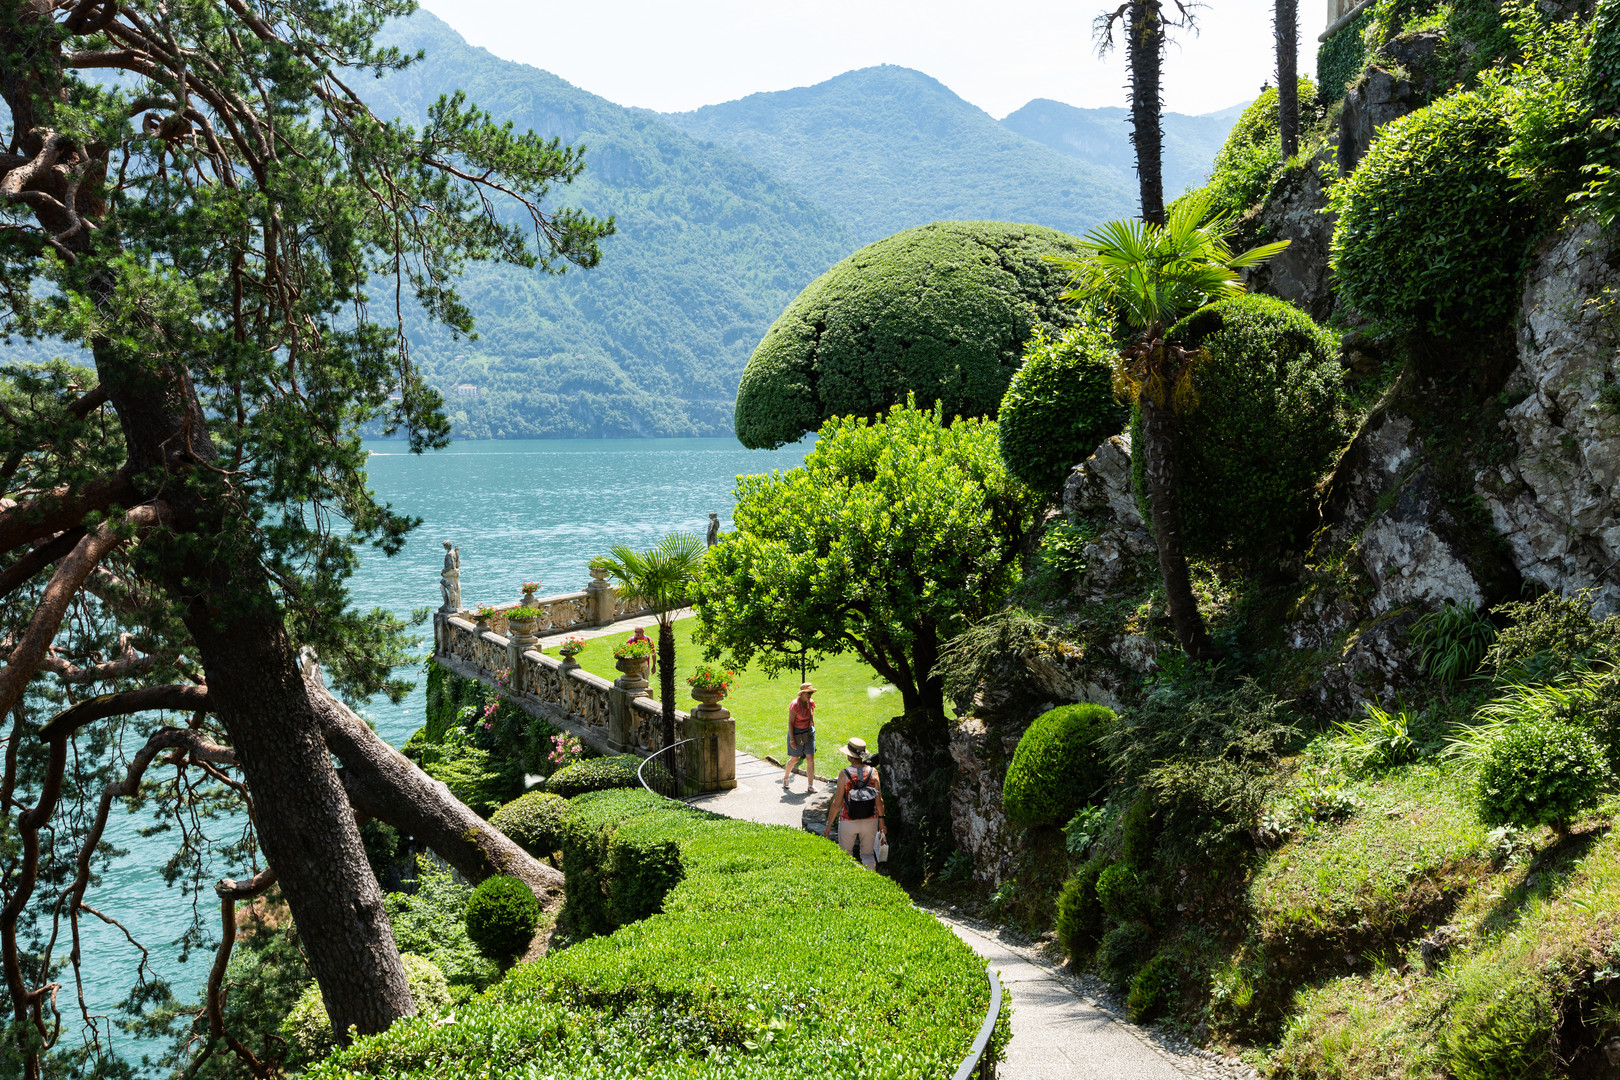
{"x":614,"y":717}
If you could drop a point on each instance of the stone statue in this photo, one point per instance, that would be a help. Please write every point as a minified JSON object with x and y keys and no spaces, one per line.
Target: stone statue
{"x":714,"y":528}
{"x":450,"y":579}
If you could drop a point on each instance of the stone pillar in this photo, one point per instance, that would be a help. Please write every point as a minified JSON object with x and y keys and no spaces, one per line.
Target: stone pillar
{"x":622,"y":718}
{"x":599,"y":595}
{"x":520,"y":638}
{"x":717,"y":752}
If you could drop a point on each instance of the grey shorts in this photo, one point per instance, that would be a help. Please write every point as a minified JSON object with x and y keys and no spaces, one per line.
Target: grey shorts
{"x":805,"y":745}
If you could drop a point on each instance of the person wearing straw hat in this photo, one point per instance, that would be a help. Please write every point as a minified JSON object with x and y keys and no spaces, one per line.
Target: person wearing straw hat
{"x":801,"y":740}
{"x":857,"y":806}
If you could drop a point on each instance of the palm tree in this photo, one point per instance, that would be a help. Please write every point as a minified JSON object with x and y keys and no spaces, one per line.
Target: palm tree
{"x":1286,"y":26}
{"x":1154,"y":274}
{"x":1145,"y":24}
{"x":660,"y":578}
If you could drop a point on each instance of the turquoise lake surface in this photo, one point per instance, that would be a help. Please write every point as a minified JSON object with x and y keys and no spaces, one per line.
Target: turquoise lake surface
{"x":519,"y":511}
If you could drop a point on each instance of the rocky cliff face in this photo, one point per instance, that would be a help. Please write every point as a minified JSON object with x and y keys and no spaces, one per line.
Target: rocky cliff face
{"x":1556,"y":502}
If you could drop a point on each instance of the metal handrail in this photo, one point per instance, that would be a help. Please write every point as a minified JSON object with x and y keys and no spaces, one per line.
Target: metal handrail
{"x":976,"y":1058}
{"x":641,"y":770}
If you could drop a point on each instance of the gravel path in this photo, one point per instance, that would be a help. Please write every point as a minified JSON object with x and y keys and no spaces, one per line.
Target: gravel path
{"x":1065,"y":1027}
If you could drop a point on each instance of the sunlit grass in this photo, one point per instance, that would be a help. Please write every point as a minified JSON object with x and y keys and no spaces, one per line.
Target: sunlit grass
{"x":852,"y":700}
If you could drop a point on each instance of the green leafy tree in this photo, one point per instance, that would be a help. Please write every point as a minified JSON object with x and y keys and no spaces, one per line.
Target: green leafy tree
{"x":1153,"y":275}
{"x":893,"y":537}
{"x":662,"y":579}
{"x":208,"y":223}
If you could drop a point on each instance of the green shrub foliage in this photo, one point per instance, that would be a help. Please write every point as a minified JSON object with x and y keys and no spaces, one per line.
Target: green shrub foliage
{"x":942,"y":311}
{"x":1428,"y":234}
{"x":432,"y":922}
{"x":1268,"y":425}
{"x":1602,"y":83}
{"x":595,"y":774}
{"x":1119,"y":891}
{"x":1059,"y":406}
{"x":1057,"y":767}
{"x":1251,"y":156}
{"x":1154,"y":988}
{"x":1121,"y":953}
{"x":705,"y":987}
{"x":1506,"y":1031}
{"x":1541,"y":772}
{"x":501,"y":916}
{"x":308,"y":1030}
{"x":533,"y":821}
{"x":1079,"y":912}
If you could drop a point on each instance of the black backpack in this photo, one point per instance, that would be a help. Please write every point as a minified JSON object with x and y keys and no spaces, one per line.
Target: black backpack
{"x":861,"y":798}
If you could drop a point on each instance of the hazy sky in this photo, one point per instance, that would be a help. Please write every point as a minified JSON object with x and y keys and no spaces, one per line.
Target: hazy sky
{"x":998,"y":54}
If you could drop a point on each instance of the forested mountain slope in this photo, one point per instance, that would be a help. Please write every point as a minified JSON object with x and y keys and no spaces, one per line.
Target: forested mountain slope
{"x":886,"y":148}
{"x":710,"y":249}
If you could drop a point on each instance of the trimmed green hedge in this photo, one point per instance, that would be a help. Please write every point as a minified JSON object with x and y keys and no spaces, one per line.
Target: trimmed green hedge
{"x":1080,"y":920}
{"x":1057,"y":767}
{"x":1251,"y":156}
{"x":942,"y":311}
{"x":774,"y":955}
{"x":1429,"y":234}
{"x":1269,"y":423}
{"x":502,"y":914}
{"x":1340,"y":59}
{"x":595,"y":774}
{"x":1059,"y":406}
{"x":533,"y":822}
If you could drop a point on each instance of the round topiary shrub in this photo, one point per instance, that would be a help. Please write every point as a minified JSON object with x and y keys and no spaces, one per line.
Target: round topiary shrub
{"x":1079,"y":913}
{"x":1121,"y":952}
{"x":1059,"y":406}
{"x":943,"y":311}
{"x":1541,"y":772}
{"x":595,"y":774}
{"x":533,"y":821}
{"x":1428,"y":234}
{"x":1057,"y":767}
{"x":308,"y":1030}
{"x":1119,"y":892}
{"x":1154,"y":988}
{"x":501,"y":916}
{"x":1268,"y":424}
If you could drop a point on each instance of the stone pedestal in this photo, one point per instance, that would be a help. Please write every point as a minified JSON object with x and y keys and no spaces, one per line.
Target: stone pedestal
{"x":622,"y":718}
{"x":717,"y":752}
{"x":600,"y":598}
{"x":520,"y":638}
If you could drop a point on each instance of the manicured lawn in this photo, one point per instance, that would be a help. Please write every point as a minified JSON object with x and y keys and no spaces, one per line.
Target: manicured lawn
{"x":851,"y":698}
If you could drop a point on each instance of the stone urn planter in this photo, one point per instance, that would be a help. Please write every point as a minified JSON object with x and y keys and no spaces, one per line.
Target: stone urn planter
{"x":481,"y":620}
{"x":598,"y":573}
{"x":568,"y":661}
{"x":710,"y":699}
{"x":524,"y":630}
{"x":528,"y":597}
{"x":635,"y":672}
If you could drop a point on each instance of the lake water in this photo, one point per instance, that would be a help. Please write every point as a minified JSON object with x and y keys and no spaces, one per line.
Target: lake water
{"x":519,"y":511}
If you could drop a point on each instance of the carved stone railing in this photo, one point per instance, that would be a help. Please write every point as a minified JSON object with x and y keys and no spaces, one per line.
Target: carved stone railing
{"x":611,"y":717}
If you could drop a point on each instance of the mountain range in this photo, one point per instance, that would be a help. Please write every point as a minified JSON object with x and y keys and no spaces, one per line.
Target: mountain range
{"x":724,"y":215}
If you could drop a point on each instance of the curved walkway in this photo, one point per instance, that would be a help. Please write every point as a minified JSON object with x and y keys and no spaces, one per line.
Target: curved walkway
{"x":1057,"y":1034}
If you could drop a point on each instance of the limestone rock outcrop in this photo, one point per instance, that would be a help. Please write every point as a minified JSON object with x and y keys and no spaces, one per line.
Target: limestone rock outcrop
{"x":1296,"y":211}
{"x":1398,"y":81}
{"x":1556,"y":502}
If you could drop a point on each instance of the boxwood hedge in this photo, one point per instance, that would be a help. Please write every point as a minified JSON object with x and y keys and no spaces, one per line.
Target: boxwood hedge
{"x":1057,"y":766}
{"x":1059,"y":406}
{"x":533,"y":821}
{"x":595,"y":774}
{"x":773,"y":955}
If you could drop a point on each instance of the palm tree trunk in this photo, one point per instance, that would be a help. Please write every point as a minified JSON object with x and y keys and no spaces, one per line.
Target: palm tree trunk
{"x":1159,"y":435}
{"x":1144,"y":50}
{"x":1287,"y":29}
{"x":666,"y":678}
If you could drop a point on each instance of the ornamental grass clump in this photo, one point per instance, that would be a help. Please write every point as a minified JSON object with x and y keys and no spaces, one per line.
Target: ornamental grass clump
{"x":1541,"y":772}
{"x":502,"y":914}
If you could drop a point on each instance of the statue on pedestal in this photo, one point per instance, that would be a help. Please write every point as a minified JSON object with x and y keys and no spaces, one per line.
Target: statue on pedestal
{"x":714,"y":529}
{"x":450,"y":579}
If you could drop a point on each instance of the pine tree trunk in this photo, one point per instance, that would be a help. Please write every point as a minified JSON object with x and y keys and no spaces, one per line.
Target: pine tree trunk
{"x":666,"y":678}
{"x":1287,"y":29}
{"x":1144,"y":51}
{"x":302,"y":817}
{"x":1159,"y":435}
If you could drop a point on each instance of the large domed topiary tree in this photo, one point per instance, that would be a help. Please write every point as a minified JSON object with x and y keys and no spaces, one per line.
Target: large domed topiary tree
{"x":942,"y":311}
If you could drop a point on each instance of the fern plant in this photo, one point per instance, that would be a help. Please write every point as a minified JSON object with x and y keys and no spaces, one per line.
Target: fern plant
{"x":1452,"y":641}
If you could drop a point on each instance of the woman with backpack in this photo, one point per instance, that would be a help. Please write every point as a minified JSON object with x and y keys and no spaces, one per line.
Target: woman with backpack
{"x":857,"y":806}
